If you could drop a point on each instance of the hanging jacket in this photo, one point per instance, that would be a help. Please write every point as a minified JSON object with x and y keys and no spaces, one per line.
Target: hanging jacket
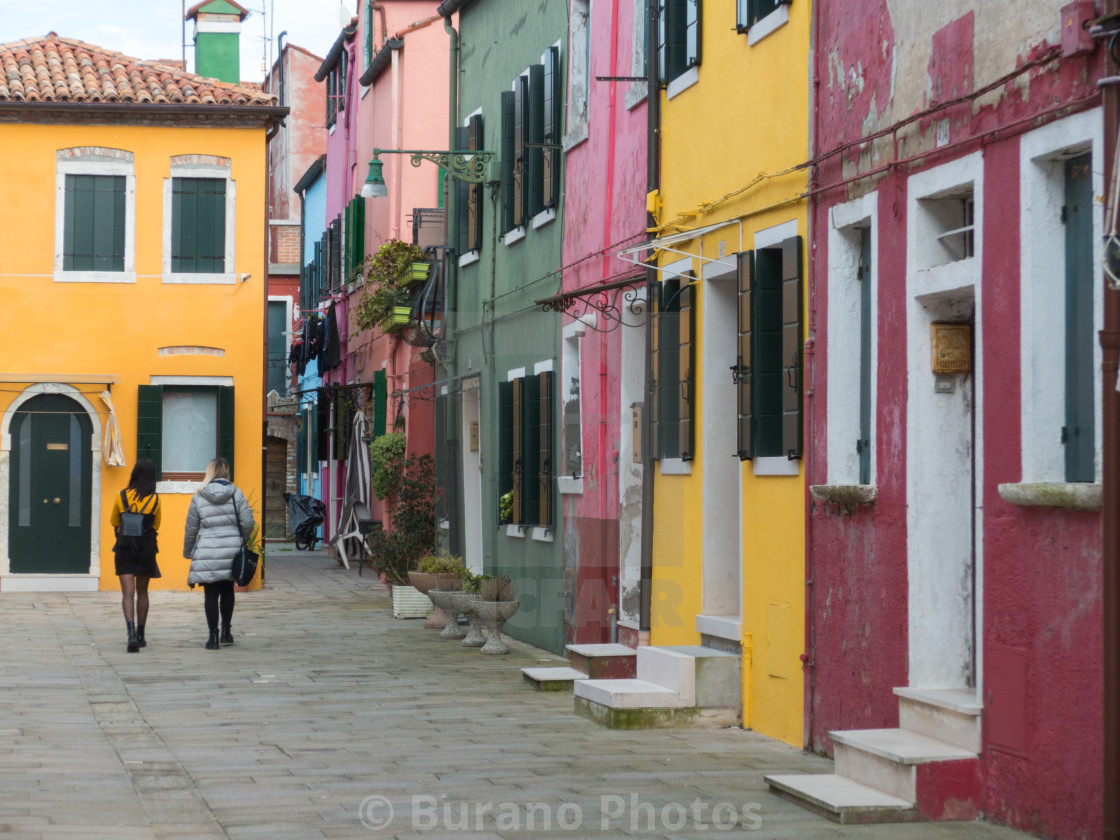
{"x":218,"y":519}
{"x":332,"y":348}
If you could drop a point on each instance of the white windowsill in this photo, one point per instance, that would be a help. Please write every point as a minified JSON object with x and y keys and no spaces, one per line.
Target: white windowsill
{"x":1057,"y":494}
{"x":515,"y":531}
{"x":684,"y":81}
{"x":95,"y":277}
{"x":721,"y":626}
{"x":470,"y":258}
{"x":636,"y":95}
{"x":182,"y":488}
{"x":201,"y":279}
{"x":573,"y":138}
{"x":514,"y":236}
{"x":776,"y":19}
{"x":675,"y":466}
{"x":544,"y":217}
{"x":776,"y":465}
{"x":570,"y":486}
{"x":543,"y":535}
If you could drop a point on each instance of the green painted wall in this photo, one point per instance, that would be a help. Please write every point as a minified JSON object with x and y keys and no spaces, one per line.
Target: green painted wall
{"x":217,"y":56}
{"x":498,"y":327}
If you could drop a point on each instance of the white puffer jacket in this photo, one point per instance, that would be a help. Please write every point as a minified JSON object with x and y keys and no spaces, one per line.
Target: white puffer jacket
{"x":213,"y":536}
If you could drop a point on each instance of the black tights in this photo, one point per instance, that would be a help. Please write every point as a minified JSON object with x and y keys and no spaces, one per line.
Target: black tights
{"x":220,"y":593}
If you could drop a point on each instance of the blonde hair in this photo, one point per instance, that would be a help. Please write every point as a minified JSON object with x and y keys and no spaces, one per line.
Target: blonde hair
{"x":218,"y":468}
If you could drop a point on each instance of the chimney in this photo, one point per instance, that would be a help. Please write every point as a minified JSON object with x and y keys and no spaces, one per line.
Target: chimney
{"x":217,"y":34}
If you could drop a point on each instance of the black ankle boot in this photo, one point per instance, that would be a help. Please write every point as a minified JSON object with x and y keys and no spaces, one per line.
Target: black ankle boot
{"x":227,"y":635}
{"x":140,"y":635}
{"x":212,"y":644}
{"x":133,"y":644}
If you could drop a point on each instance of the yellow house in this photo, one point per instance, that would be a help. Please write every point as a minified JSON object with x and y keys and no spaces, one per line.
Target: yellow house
{"x":132,"y":278}
{"x":727,"y":362}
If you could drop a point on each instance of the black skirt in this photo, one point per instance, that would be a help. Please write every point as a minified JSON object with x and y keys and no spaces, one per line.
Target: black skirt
{"x":137,"y":556}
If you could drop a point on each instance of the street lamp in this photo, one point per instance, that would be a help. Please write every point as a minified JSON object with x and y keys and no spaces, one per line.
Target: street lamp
{"x":469,"y":165}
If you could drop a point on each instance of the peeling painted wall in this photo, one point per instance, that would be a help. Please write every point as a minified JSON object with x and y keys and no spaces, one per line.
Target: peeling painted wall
{"x":897,"y":68}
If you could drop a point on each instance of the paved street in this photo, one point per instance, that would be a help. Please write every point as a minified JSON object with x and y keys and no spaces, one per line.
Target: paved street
{"x":328,"y":718}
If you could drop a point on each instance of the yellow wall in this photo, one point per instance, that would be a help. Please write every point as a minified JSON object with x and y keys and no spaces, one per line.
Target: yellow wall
{"x":746,"y":117}
{"x":114,"y":328}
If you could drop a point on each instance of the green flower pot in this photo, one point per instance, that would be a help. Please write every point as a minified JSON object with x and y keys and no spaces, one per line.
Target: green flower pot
{"x":420,"y":271}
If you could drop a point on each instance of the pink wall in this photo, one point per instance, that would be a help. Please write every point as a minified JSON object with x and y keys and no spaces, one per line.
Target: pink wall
{"x":604,"y":211}
{"x":303,"y":137}
{"x":1042,"y":567}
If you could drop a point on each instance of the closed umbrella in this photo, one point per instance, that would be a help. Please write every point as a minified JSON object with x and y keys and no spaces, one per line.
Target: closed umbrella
{"x":111,"y":449}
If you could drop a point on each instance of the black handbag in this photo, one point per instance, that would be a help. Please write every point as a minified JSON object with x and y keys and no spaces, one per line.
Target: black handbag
{"x":245,"y":560}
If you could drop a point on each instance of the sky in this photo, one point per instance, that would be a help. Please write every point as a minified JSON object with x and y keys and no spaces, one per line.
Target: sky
{"x":157,"y":32}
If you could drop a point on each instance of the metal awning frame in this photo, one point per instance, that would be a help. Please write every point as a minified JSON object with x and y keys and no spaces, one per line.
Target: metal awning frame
{"x":665,"y":243}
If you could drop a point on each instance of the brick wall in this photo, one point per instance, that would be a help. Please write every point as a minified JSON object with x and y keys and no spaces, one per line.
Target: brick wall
{"x":284,"y":243}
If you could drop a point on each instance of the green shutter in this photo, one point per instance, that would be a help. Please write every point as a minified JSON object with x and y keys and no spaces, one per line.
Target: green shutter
{"x":544,"y":446}
{"x":676,"y":32}
{"x":149,"y":425}
{"x":792,"y":349}
{"x":520,"y":161}
{"x":226,"y":417}
{"x":198,"y":213}
{"x":760,"y":9}
{"x":518,"y":441}
{"x":744,"y":357}
{"x":687,"y":356}
{"x":669,"y":376}
{"x":323,"y":426}
{"x":93,"y":223}
{"x":380,"y":402}
{"x":534,"y":155}
{"x":508,"y":162}
{"x":474,"y":213}
{"x":863,"y":445}
{"x":767,"y":370}
{"x":1079,"y":434}
{"x":550,"y":172}
{"x":505,"y":437}
{"x":530,"y":451}
{"x":653,"y":406}
{"x":462,"y":199}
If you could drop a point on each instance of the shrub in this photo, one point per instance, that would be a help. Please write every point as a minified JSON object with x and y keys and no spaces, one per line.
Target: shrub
{"x":397,"y":552}
{"x":443,"y":563}
{"x":388,"y":455}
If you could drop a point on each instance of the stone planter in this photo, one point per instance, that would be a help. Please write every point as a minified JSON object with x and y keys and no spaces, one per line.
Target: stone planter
{"x":448,"y":601}
{"x":494,"y":614}
{"x":475,"y":637}
{"x":427,"y":581}
{"x":408,"y":602}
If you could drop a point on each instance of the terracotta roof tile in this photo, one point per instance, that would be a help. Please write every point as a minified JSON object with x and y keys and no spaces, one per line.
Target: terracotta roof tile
{"x":54,"y":69}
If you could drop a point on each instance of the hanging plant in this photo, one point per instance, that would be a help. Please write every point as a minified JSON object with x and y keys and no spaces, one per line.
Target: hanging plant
{"x":389,"y":282}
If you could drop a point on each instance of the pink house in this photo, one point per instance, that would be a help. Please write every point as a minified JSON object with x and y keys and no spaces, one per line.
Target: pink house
{"x":602,"y":357}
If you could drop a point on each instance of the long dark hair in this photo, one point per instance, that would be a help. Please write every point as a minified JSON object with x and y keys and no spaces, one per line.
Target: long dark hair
{"x":143,"y":479}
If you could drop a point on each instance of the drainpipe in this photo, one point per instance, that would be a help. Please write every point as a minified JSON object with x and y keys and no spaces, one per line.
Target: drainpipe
{"x":653,"y":181}
{"x":280,"y":66}
{"x":450,"y":215}
{"x":1110,"y":469}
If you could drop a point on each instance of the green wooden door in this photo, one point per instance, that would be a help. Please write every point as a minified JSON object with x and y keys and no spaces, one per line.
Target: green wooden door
{"x":50,"y":487}
{"x":1079,"y":434}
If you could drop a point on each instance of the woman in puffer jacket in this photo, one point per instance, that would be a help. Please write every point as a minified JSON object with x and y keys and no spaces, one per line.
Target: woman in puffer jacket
{"x":218,"y":519}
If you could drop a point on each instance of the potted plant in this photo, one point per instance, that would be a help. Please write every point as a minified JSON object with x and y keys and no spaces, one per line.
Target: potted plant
{"x":396,"y":551}
{"x":496,"y":604}
{"x":442,"y":572}
{"x":505,"y":508}
{"x":389,"y":283}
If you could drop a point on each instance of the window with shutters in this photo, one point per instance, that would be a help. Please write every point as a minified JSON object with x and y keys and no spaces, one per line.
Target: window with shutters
{"x":336,"y":89}
{"x":525,"y":458}
{"x":182,"y":426}
{"x":95,"y":211}
{"x":768,"y":373}
{"x":758,"y":18}
{"x":639,"y":54}
{"x":678,"y":43}
{"x":672,"y":366}
{"x":531,"y":138}
{"x":199,"y":230}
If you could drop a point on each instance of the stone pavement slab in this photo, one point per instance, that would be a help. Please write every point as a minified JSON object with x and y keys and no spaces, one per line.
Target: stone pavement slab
{"x":328,"y":718}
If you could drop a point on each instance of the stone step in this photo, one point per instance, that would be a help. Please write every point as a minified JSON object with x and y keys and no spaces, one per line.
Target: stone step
{"x":629,"y":694}
{"x":718,"y":676}
{"x":669,"y":669}
{"x":892,"y":761}
{"x":552,"y":679}
{"x":842,"y":799}
{"x":603,"y":662}
{"x":949,"y":715}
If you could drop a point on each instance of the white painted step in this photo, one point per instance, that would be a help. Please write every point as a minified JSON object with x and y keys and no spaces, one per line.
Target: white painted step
{"x":886,"y":759}
{"x":669,"y":669}
{"x":947,"y":714}
{"x":841,"y":798}
{"x":558,"y":674}
{"x":629,"y":694}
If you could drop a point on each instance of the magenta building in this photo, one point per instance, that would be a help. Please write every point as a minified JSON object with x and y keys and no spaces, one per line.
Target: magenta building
{"x":954,"y":578}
